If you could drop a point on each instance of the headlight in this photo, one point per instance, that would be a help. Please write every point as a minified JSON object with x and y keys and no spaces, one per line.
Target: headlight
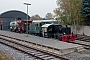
{"x":64,"y":33}
{"x":10,"y":27}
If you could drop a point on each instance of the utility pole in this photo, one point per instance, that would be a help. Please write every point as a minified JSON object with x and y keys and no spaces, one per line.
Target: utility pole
{"x":27,"y":17}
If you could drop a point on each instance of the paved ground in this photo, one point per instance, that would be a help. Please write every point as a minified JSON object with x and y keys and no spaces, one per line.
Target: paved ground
{"x":43,"y":41}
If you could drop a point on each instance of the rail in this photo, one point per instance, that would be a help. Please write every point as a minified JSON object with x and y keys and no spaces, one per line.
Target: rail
{"x":32,"y":51}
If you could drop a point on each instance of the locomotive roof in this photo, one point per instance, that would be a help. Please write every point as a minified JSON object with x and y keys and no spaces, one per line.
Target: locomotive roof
{"x":47,"y":25}
{"x":38,"y":21}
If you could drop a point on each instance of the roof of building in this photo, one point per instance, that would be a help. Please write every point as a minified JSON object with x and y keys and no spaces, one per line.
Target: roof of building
{"x":14,"y":14}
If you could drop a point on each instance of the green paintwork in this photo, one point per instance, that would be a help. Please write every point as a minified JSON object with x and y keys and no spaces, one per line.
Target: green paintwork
{"x":36,"y":27}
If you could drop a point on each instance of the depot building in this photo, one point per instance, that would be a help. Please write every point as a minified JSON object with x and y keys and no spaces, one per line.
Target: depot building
{"x":8,"y":16}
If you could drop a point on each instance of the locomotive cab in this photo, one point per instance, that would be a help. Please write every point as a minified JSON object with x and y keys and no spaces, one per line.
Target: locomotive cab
{"x":51,"y":30}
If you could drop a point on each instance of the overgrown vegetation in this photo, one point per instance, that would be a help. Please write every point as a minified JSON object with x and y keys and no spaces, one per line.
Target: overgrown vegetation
{"x":5,"y":56}
{"x":73,"y":12}
{"x":69,"y":11}
{"x":85,"y":10}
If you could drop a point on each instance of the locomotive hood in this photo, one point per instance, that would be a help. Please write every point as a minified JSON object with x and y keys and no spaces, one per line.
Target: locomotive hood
{"x":13,"y":23}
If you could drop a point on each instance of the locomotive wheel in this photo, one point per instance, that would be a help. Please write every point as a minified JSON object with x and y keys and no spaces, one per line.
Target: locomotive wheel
{"x":59,"y":38}
{"x":10,"y":29}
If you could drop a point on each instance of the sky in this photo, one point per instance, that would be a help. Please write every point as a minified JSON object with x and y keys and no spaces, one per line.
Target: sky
{"x":40,"y":7}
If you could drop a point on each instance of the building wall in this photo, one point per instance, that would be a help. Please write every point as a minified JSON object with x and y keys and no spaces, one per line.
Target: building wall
{"x":1,"y":23}
{"x":6,"y":22}
{"x":12,"y":15}
{"x":81,"y":30}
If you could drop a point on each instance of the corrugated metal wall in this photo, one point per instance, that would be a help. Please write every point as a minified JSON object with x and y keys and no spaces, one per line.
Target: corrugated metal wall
{"x":6,"y":22}
{"x":9,"y":16}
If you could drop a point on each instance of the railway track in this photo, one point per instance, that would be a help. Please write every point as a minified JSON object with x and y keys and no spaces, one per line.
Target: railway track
{"x":82,"y":40}
{"x":29,"y":50}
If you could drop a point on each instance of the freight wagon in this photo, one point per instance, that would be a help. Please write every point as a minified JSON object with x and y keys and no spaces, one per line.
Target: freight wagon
{"x":19,"y":25}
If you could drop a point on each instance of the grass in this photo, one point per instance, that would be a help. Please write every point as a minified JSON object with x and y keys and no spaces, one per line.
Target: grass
{"x":5,"y":56}
{"x":2,"y":58}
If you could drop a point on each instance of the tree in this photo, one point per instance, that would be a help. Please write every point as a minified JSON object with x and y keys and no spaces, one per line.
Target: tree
{"x":57,"y":12}
{"x":49,"y":16}
{"x":85,"y":10}
{"x":63,"y":6}
{"x":36,"y":17}
{"x":70,"y":11}
{"x":57,"y":15}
